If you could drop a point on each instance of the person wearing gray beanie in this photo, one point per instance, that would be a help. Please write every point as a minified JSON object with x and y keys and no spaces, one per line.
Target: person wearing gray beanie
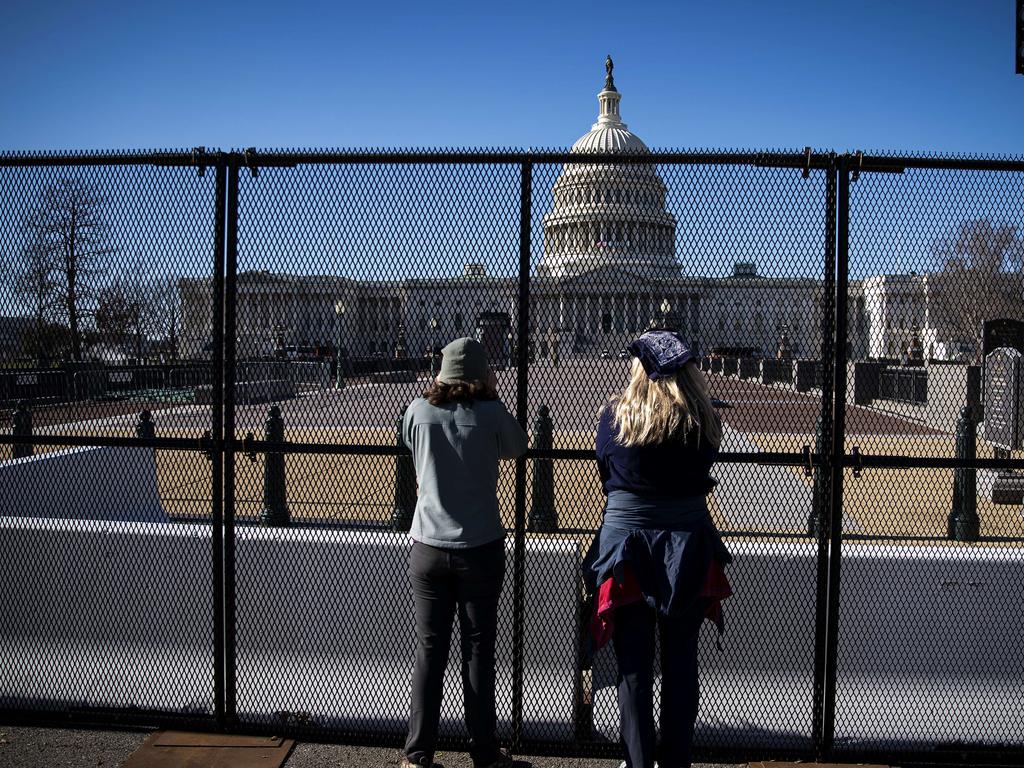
{"x":457,"y":432}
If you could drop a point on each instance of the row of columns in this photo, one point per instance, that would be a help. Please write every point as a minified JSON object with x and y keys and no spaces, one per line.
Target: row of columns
{"x":585,"y":236}
{"x":629,"y":312}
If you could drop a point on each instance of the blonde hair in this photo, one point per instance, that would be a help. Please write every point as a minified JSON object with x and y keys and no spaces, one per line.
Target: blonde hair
{"x":649,"y":412}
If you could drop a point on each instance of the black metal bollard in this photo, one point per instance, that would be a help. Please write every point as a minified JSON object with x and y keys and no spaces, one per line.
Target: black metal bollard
{"x":275,"y":495}
{"x":144,"y":427}
{"x":405,"y":484}
{"x":543,"y":517}
{"x":817,"y":487}
{"x":21,"y":427}
{"x":963,"y":523}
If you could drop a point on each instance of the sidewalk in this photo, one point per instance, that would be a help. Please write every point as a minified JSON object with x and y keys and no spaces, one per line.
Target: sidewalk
{"x":59,"y":748}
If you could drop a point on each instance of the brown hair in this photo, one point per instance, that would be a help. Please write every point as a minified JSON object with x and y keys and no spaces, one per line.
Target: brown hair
{"x":457,"y":391}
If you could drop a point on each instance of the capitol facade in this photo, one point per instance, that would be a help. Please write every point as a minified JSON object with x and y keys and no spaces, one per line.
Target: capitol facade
{"x":610,"y":265}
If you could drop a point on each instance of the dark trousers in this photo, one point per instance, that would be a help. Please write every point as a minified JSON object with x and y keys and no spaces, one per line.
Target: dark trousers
{"x":443,"y":581}
{"x":635,"y":626}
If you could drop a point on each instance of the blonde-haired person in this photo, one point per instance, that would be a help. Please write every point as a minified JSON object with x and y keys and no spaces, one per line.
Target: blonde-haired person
{"x":656,"y":564}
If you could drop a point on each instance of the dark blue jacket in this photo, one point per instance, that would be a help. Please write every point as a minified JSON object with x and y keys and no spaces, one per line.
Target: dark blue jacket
{"x":677,"y":467}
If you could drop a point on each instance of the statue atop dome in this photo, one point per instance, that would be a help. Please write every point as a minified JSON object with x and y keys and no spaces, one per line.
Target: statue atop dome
{"x":609,"y":65}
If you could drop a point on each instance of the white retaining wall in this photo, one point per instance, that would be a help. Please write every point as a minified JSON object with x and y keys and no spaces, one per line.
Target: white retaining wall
{"x":120,"y":615}
{"x":105,"y":483}
{"x":930,"y":648}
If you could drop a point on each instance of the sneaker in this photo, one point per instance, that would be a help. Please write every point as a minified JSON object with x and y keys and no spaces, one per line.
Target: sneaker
{"x":623,"y":764}
{"x":504,"y":761}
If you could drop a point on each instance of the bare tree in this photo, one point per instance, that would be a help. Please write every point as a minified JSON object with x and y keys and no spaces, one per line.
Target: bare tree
{"x":980,"y":275}
{"x":118,"y":314}
{"x":34,"y":281}
{"x":68,"y":224}
{"x":161,"y":313}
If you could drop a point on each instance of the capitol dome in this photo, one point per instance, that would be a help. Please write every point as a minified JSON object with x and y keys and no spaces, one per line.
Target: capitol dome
{"x":605,"y":214}
{"x":609,"y":137}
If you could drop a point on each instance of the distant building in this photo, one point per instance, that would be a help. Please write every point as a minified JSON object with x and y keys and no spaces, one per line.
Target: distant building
{"x":609,"y":267}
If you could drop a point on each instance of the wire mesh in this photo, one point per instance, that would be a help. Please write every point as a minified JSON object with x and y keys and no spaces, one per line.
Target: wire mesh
{"x":351,"y":273}
{"x":108,"y":605}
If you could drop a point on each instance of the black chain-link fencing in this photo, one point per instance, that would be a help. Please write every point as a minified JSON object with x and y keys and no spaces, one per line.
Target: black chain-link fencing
{"x":204,"y":496}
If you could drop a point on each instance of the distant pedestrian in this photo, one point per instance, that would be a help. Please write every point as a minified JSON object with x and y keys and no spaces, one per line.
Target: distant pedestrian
{"x":457,"y":432}
{"x":657,"y":560}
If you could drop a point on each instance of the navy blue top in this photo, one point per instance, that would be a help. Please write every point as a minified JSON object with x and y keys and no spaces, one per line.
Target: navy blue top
{"x":674,"y":468}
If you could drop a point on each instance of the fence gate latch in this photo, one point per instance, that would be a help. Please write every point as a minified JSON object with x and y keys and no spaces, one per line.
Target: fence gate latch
{"x":859,"y":166}
{"x":199,"y":159}
{"x":807,"y":162}
{"x":858,"y":464}
{"x":808,"y":462}
{"x":250,"y":162}
{"x":247,"y":450}
{"x":206,"y":445}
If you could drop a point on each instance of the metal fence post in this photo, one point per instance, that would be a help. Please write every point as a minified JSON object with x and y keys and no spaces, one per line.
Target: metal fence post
{"x":543,"y":515}
{"x":227,"y":456}
{"x":963,"y":523}
{"x":522,"y":378}
{"x":837,"y":451}
{"x":405,"y":484}
{"x":21,"y":427}
{"x":275,"y":494}
{"x":823,"y":471}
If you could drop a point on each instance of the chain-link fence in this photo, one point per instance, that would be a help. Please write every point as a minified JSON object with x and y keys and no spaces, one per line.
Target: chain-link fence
{"x":207,"y":355}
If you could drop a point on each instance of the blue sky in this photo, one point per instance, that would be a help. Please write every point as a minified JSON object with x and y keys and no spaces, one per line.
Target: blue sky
{"x":910,"y":75}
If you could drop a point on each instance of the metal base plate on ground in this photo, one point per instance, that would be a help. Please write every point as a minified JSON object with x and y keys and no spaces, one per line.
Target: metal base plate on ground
{"x":178,"y":749}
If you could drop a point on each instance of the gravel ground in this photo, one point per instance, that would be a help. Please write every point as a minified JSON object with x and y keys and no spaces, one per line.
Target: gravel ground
{"x":60,"y":748}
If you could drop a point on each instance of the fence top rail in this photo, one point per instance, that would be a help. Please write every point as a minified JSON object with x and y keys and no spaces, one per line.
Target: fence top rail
{"x":198,"y":157}
{"x":807,"y":159}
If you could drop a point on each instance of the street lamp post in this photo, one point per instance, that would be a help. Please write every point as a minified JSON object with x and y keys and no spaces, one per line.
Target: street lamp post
{"x":666,"y":307}
{"x":433,"y":343}
{"x":511,"y":354}
{"x":339,"y":375}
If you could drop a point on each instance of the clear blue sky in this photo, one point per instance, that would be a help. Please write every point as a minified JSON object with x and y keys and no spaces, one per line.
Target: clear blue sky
{"x":931,"y":75}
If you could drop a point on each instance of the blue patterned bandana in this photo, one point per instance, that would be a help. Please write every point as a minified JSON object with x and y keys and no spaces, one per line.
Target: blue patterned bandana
{"x":661,"y":353}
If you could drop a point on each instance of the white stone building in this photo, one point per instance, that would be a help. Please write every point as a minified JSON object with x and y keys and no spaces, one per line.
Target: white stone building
{"x":608,"y":266}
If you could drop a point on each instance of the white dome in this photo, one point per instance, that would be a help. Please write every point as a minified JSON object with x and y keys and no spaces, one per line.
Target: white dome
{"x":609,"y":138}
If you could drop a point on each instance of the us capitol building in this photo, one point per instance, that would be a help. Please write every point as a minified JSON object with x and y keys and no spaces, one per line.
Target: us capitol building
{"x":609,"y":266}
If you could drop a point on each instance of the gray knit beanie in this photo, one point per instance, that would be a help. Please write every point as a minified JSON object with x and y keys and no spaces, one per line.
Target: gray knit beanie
{"x":463,"y":360}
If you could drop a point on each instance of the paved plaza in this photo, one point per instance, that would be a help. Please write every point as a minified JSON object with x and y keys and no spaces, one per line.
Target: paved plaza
{"x":752,"y":497}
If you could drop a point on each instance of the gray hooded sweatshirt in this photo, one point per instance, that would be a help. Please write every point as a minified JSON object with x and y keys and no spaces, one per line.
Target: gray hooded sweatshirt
{"x":455,"y":448}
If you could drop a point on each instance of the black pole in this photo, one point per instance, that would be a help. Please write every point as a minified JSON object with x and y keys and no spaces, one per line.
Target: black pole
{"x":835,"y":518}
{"x":275,"y":494}
{"x":217,"y":439}
{"x":543,"y":517}
{"x":21,"y":427}
{"x":963,"y":523}
{"x":822,"y":471}
{"x":144,"y":427}
{"x":230,"y":300}
{"x":522,"y":361}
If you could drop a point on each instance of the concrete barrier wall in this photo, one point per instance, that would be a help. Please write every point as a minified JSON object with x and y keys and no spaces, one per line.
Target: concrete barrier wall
{"x":101,"y":614}
{"x":119,"y":614}
{"x":105,"y":483}
{"x":929,"y":648}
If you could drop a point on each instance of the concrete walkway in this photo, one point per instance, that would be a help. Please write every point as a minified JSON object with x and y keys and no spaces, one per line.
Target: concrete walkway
{"x":51,"y":747}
